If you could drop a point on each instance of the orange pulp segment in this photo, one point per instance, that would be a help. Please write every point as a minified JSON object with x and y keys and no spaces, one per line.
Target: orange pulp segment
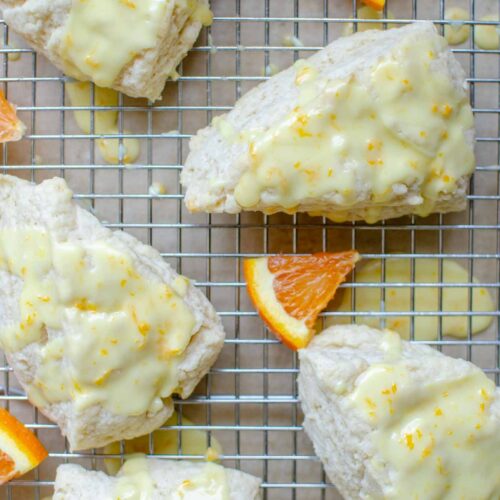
{"x":11,"y":127}
{"x":20,"y":450}
{"x":289,"y":292}
{"x":375,"y":4}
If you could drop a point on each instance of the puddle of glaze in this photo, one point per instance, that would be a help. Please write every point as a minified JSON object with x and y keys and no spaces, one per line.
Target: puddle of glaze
{"x":166,"y":442}
{"x":113,"y":151}
{"x":456,"y":33}
{"x":487,"y":37}
{"x":454,"y":299}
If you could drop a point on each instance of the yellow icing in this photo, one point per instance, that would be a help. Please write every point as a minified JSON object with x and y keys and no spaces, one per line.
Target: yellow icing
{"x":125,"y":335}
{"x":135,"y":483}
{"x":102,"y":36}
{"x":402,"y":127}
{"x":134,"y":480}
{"x":439,"y":438}
{"x":210,"y":484}
{"x":200,"y":11}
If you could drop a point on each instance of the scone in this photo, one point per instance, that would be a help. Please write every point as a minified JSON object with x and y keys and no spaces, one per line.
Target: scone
{"x":395,"y":420}
{"x":132,"y":46}
{"x":158,"y":480}
{"x":376,"y":125}
{"x":99,"y":330}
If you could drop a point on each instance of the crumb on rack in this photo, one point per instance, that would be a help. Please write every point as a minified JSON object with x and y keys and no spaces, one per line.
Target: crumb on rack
{"x":157,"y":189}
{"x":213,"y":48}
{"x":12,"y":56}
{"x":212,"y":455}
{"x":270,"y":70}
{"x":292,"y":41}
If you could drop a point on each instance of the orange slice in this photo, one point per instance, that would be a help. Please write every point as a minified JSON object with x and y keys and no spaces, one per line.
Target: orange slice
{"x":290,"y":292}
{"x":375,"y":4}
{"x":20,"y":450}
{"x":11,"y":127}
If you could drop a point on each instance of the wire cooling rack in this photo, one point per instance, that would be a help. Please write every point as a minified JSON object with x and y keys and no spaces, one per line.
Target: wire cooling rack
{"x":249,"y":399}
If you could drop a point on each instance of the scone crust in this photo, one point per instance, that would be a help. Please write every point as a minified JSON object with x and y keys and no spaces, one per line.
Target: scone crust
{"x":340,"y":434}
{"x":75,"y":482}
{"x":216,"y":163}
{"x":49,"y":207}
{"x":41,"y":23}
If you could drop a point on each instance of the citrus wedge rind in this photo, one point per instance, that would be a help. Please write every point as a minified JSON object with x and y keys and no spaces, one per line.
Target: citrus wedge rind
{"x":291,"y":331}
{"x":20,"y":450}
{"x":289,"y":292}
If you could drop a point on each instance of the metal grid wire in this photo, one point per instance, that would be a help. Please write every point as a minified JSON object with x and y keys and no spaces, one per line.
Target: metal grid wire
{"x":249,"y":399}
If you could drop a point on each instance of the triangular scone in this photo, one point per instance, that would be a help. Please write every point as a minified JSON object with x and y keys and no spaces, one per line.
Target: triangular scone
{"x":161,"y":479}
{"x":148,"y":43}
{"x":391,"y":419}
{"x":375,"y":125}
{"x":98,"y":328}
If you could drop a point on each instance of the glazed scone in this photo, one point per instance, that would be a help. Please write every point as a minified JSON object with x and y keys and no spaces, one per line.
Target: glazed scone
{"x":395,"y":420}
{"x":132,"y":46}
{"x":158,"y":480}
{"x":99,"y":330}
{"x":376,"y":125}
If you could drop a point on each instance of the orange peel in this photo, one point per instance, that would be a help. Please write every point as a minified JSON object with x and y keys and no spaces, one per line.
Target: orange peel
{"x":11,"y":127}
{"x":289,"y":292}
{"x":20,"y":450}
{"x":375,"y":4}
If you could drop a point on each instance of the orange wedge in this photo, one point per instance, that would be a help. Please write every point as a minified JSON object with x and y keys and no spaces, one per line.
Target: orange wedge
{"x":11,"y":127}
{"x":20,"y":450}
{"x":375,"y":4}
{"x":290,"y":292}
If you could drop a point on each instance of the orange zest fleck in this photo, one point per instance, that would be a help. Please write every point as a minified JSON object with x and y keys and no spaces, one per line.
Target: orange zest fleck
{"x":409,"y":441}
{"x":301,"y":288}
{"x":11,"y":127}
{"x":144,"y":328}
{"x":370,"y":403}
{"x":84,"y":305}
{"x":447,"y":110}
